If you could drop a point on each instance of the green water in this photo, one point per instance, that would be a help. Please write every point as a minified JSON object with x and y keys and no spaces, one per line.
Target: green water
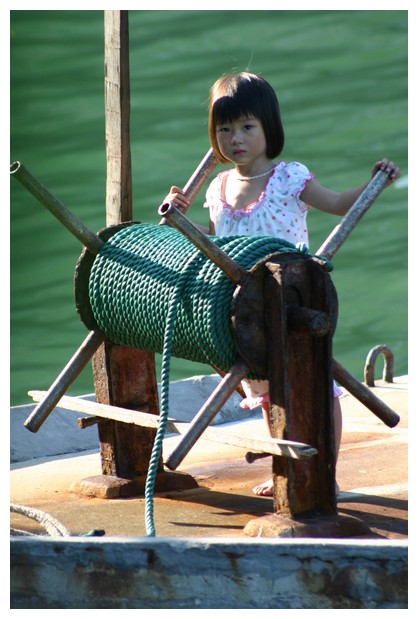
{"x":341,"y":77}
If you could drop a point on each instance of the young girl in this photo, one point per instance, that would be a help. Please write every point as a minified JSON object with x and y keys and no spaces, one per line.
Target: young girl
{"x":258,"y":196}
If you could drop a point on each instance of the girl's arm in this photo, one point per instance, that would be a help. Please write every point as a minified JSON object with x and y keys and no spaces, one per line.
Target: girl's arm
{"x":339,"y":203}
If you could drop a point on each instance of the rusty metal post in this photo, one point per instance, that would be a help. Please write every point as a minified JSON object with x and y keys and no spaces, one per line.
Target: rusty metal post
{"x":300,"y":373}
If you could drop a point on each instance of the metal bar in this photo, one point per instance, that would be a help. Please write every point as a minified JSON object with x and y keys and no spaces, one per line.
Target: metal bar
{"x":70,"y":221}
{"x":176,"y":219}
{"x":252,"y":457}
{"x":198,"y":178}
{"x":208,"y":411}
{"x":353,"y":216}
{"x":73,"y":368}
{"x":200,"y":175}
{"x":370,"y":363}
{"x":365,"y":396}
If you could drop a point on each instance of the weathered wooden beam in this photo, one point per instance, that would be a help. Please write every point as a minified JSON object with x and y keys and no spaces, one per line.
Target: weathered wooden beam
{"x":125,"y":377}
{"x":106,"y":411}
{"x":268,"y":446}
{"x":122,"y":376}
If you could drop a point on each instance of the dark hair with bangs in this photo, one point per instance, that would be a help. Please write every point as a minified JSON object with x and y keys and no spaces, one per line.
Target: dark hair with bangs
{"x":239,"y":95}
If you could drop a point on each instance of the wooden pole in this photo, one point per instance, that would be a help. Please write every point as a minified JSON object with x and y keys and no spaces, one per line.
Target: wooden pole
{"x":122,"y":376}
{"x":117,"y":112}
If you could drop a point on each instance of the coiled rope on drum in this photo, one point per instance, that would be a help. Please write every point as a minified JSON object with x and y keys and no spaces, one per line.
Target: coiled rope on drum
{"x":150,"y":288}
{"x":135,"y":273}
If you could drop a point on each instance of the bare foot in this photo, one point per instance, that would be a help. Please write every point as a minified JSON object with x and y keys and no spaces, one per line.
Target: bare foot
{"x":264,"y":489}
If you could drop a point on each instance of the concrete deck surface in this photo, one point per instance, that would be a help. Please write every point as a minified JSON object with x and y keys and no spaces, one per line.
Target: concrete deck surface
{"x":372,"y":474}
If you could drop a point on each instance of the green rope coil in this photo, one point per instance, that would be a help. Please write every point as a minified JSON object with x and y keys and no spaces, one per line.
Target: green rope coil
{"x":133,"y":277}
{"x":150,"y":288}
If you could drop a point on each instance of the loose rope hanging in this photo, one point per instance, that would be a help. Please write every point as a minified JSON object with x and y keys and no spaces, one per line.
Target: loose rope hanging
{"x":165,"y":406}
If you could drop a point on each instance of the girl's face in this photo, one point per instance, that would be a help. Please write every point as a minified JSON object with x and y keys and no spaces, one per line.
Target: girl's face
{"x":242,"y":141}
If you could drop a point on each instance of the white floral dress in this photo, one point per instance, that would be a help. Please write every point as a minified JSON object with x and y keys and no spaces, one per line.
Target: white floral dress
{"x":279,"y":212}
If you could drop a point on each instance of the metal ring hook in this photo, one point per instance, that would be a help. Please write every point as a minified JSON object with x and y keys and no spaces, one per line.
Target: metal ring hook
{"x":370,"y":363}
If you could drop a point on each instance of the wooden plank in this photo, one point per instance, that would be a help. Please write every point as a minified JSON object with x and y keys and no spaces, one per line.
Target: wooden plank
{"x":274,"y":447}
{"x":277,"y":447}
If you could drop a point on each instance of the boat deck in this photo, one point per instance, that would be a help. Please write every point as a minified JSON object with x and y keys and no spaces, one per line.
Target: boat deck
{"x":371,"y":472}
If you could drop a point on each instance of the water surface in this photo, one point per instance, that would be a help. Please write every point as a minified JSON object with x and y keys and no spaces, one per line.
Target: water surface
{"x":341,"y":78}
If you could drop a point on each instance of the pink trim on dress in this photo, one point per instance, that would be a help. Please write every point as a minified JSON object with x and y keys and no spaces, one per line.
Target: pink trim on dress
{"x":254,"y":206}
{"x":311,"y":177}
{"x":250,"y":208}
